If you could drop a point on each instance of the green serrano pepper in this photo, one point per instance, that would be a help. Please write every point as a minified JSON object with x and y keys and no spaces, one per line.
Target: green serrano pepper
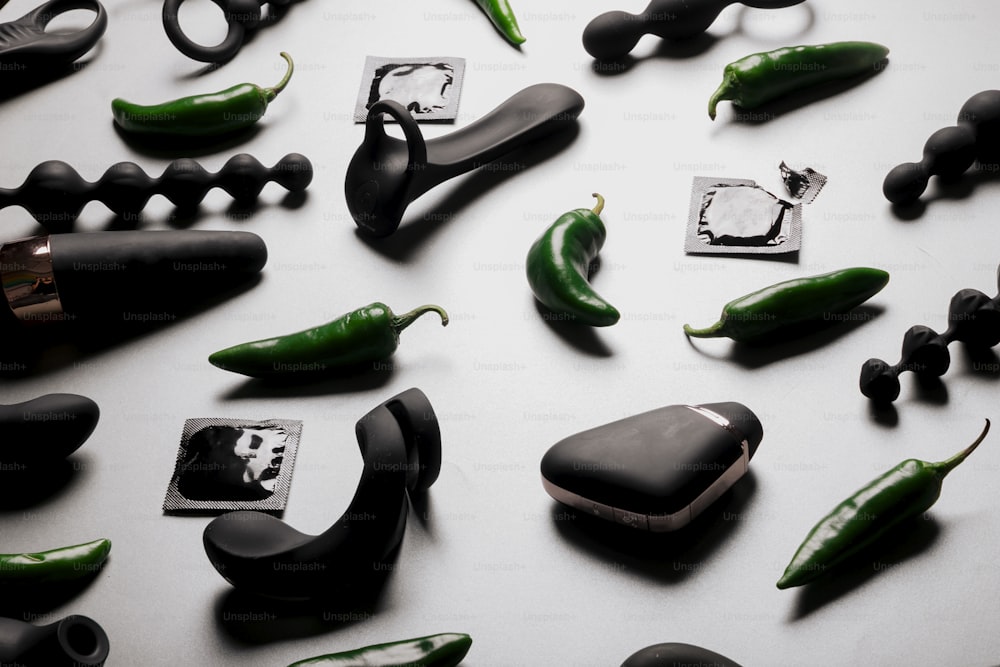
{"x":558,"y":264}
{"x":53,"y":566}
{"x":795,"y":305}
{"x":761,"y":77}
{"x":366,"y":335}
{"x":201,"y":115}
{"x":442,"y":650}
{"x":503,"y":19}
{"x":905,"y":491}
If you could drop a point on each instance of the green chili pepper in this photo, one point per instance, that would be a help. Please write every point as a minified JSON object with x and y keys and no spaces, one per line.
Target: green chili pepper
{"x":762,"y":77}
{"x":502,"y":17}
{"x":903,"y":492}
{"x":794,"y":306}
{"x":201,"y":115}
{"x":54,"y":566}
{"x":443,"y":650}
{"x":366,"y":335}
{"x":559,"y":262}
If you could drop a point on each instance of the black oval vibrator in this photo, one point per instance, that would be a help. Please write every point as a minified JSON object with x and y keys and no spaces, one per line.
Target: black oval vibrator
{"x":656,"y":470}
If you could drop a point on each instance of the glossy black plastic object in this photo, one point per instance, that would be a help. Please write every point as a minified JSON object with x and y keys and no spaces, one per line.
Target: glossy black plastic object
{"x":258,"y":553}
{"x":74,"y":641}
{"x":242,"y":16}
{"x":614,"y":34}
{"x":46,"y":429}
{"x":386,"y":173}
{"x":656,"y":470}
{"x":672,"y":654}
{"x":26,"y":43}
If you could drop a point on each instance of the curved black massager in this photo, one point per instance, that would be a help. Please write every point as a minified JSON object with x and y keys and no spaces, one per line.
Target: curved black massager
{"x":74,"y":641}
{"x":46,"y":429}
{"x":258,"y":553}
{"x":386,"y":173}
{"x":26,"y":42}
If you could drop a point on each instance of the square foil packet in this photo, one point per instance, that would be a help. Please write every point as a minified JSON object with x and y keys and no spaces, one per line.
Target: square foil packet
{"x":233,"y":464}
{"x":737,"y":216}
{"x":429,"y":88}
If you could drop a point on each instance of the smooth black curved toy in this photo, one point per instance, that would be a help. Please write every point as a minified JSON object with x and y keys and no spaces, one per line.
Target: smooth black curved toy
{"x":74,"y":641}
{"x":671,"y":654}
{"x":25,"y":43}
{"x":386,"y":173}
{"x":614,"y":34}
{"x":46,"y":429}
{"x":258,"y":553}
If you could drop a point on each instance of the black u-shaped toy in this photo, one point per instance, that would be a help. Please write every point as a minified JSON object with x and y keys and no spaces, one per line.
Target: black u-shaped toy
{"x":386,"y":174}
{"x":258,"y":553}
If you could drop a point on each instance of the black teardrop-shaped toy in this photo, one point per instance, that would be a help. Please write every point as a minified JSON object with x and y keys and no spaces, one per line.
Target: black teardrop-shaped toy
{"x":46,"y":429}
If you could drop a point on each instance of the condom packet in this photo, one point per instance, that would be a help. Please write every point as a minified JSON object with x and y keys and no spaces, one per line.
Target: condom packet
{"x":233,"y":464}
{"x":803,"y":184}
{"x":737,"y":216}
{"x":429,"y":88}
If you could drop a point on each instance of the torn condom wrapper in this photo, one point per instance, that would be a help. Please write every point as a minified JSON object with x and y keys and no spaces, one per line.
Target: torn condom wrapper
{"x":429,"y":88}
{"x":233,"y":464}
{"x":737,"y":216}
{"x":804,"y":184}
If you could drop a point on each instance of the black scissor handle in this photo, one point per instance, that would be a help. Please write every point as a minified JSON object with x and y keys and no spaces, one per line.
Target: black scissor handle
{"x":241,"y":15}
{"x":26,"y":40}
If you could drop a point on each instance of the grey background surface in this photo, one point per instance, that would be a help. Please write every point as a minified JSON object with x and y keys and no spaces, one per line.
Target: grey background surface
{"x":490,"y":554}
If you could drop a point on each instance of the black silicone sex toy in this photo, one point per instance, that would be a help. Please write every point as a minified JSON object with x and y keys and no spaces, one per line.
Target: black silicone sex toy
{"x":674,"y":653}
{"x":386,"y":173}
{"x":657,"y":470}
{"x":258,"y":553}
{"x":46,"y":429}
{"x":74,"y":641}
{"x":25,"y":43}
{"x":112,"y":278}
{"x":242,"y":16}
{"x":614,"y":34}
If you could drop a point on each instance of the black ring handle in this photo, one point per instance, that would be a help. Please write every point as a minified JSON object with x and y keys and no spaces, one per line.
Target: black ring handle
{"x":221,"y":52}
{"x":375,"y":130}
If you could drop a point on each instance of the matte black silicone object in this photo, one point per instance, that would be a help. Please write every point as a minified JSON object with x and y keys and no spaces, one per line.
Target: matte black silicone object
{"x":27,"y":43}
{"x":107,"y":278}
{"x":657,"y":470}
{"x":54,"y":193}
{"x":241,"y":16}
{"x":46,"y":429}
{"x":614,"y":34}
{"x":258,"y":553}
{"x":74,"y":641}
{"x":671,"y":654}
{"x":386,"y":173}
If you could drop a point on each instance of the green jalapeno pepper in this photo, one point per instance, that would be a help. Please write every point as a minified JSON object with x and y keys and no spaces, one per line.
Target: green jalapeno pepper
{"x":53,"y":566}
{"x":502,"y":17}
{"x":761,"y":77}
{"x":559,"y":262}
{"x":905,"y":491}
{"x":226,"y":111}
{"x":442,"y":650}
{"x":366,"y":335}
{"x":788,"y":307}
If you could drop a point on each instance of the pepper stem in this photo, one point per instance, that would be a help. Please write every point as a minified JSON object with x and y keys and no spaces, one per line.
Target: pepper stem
{"x":400,"y":322}
{"x":945,"y":467}
{"x":708,"y":332}
{"x":272,"y":92}
{"x":600,"y":204}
